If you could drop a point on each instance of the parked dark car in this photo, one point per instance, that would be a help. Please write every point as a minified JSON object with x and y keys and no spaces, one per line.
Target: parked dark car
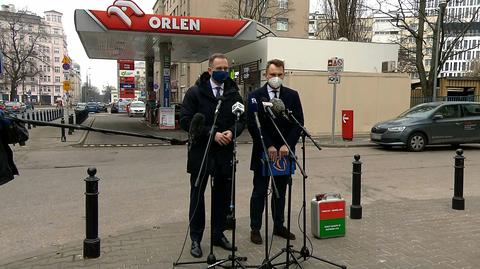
{"x":102,"y":107}
{"x":114,"y":108}
{"x":93,"y":107}
{"x":429,"y":124}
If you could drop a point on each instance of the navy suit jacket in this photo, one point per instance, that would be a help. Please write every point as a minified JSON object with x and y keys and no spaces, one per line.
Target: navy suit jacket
{"x":289,"y":129}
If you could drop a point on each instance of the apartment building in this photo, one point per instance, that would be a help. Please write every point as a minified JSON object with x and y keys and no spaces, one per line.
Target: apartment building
{"x":286,"y":18}
{"x":458,"y":14}
{"x":46,"y":86}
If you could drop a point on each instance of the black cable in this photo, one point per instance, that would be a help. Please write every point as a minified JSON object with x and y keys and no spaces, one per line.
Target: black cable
{"x":194,"y":211}
{"x":301,"y":230}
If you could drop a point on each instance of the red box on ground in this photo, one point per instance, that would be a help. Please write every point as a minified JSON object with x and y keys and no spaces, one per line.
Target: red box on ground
{"x":347,"y":124}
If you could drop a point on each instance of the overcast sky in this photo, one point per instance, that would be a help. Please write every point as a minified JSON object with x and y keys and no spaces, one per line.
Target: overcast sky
{"x":102,"y":72}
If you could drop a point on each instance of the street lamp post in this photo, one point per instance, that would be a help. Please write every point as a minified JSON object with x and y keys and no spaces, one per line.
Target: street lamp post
{"x":442,"y":5}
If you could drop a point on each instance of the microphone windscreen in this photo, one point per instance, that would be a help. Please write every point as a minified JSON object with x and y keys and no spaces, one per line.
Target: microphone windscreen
{"x":197,"y":124}
{"x":253,"y":105}
{"x":278,"y":106}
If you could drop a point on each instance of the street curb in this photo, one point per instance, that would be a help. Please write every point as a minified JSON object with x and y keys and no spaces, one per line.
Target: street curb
{"x":84,"y":136}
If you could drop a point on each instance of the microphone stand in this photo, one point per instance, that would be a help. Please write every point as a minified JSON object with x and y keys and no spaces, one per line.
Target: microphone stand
{"x":304,"y":252}
{"x":236,"y":260}
{"x":266,"y":264}
{"x":289,"y":248}
{"x":211,"y":259}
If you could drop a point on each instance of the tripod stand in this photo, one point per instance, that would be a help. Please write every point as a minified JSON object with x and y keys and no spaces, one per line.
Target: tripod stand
{"x":304,"y":252}
{"x":211,"y":259}
{"x":235,"y":260}
{"x":290,"y":252}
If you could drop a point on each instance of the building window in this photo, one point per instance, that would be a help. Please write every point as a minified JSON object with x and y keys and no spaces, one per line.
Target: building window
{"x":265,"y":20}
{"x":282,"y":24}
{"x":56,"y":50}
{"x":57,"y":88}
{"x":56,"y":31}
{"x":283,"y":4}
{"x":57,"y":59}
{"x":57,"y":79}
{"x":55,"y":41}
{"x":57,"y":69}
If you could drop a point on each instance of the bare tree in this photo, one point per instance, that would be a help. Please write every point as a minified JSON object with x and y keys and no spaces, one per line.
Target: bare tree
{"x":410,"y":16}
{"x":474,"y":70}
{"x":21,"y":35}
{"x":264,"y":11}
{"x":344,"y":19}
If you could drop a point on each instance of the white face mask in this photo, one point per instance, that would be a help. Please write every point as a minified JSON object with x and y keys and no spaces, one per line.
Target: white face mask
{"x":275,"y":82}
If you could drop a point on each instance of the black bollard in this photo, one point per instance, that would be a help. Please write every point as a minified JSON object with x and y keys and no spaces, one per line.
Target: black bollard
{"x":356,"y":207}
{"x":458,"y":202}
{"x":50,"y":115}
{"x":70,"y":121}
{"x":33,"y":118}
{"x":64,"y":139}
{"x":91,"y":244}
{"x":28,"y":124}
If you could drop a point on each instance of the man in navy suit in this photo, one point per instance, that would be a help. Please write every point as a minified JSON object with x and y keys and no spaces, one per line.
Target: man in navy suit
{"x":275,"y":72}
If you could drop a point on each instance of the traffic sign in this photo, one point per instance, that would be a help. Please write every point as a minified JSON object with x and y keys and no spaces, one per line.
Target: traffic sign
{"x":66,"y":85}
{"x":333,"y":78}
{"x":66,"y":60}
{"x":66,"y":66}
{"x":335,"y":65}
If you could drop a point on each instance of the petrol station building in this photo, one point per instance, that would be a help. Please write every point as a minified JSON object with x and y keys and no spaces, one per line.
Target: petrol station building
{"x":124,"y":31}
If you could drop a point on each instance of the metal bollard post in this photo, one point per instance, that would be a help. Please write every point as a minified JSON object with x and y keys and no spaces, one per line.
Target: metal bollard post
{"x":70,"y":121}
{"x":64,"y":139}
{"x":33,"y":118}
{"x":458,"y":202}
{"x":91,"y":244}
{"x":50,"y":115}
{"x":356,"y":207}
{"x":28,"y":124}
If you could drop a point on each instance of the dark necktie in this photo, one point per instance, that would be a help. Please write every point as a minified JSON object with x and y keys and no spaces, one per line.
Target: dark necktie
{"x":217,"y":92}
{"x":275,"y":93}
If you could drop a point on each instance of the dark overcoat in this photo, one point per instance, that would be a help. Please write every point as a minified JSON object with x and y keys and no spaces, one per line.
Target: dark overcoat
{"x":200,"y":99}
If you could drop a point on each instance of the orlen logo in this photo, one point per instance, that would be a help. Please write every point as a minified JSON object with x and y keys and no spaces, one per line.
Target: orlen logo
{"x":124,"y":9}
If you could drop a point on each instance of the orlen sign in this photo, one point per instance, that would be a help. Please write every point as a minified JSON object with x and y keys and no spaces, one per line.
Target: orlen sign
{"x":125,"y":15}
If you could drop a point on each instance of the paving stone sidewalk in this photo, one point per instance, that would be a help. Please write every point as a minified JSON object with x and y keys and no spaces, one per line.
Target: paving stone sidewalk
{"x":408,"y":234}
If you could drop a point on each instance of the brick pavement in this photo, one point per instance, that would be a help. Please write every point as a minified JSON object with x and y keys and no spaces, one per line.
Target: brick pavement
{"x":407,"y":234}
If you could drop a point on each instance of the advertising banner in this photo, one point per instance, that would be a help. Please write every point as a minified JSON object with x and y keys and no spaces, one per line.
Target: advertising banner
{"x":126,"y":64}
{"x":167,"y":118}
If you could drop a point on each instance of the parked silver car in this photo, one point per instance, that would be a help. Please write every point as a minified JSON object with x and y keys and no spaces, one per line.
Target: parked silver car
{"x":429,"y":124}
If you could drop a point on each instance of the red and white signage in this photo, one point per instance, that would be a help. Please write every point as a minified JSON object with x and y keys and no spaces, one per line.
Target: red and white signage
{"x":126,"y":64}
{"x":127,"y":16}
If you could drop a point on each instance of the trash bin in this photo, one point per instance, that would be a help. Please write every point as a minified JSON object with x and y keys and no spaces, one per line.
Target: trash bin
{"x":328,"y":215}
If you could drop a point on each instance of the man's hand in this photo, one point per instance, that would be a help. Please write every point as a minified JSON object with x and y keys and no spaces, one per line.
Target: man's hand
{"x":221,"y":139}
{"x":272,"y":153}
{"x":228,"y":134}
{"x":283,"y":152}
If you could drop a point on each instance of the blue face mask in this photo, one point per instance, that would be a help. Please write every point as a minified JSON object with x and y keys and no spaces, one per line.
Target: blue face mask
{"x":219,"y":76}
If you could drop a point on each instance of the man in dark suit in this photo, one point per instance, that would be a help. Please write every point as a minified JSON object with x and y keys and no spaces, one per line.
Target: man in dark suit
{"x":275,"y":72}
{"x":203,"y":98}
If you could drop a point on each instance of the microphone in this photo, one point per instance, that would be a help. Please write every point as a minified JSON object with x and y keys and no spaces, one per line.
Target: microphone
{"x":196,"y":127}
{"x":238,"y":109}
{"x":279,"y":108}
{"x":253,"y":106}
{"x":266,"y":105}
{"x":220,"y":100}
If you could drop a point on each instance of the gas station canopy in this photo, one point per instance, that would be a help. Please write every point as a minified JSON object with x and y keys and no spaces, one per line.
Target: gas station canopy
{"x":125,"y":32}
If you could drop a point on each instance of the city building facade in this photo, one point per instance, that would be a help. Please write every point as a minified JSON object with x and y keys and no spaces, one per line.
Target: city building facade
{"x":456,"y":16}
{"x":290,"y":19}
{"x":46,"y":86}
